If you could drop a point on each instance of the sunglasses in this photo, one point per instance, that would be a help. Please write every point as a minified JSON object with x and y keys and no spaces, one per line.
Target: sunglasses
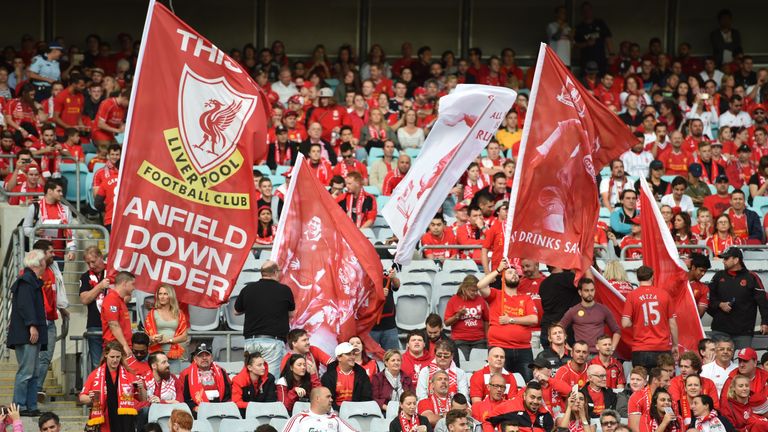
{"x":444,"y":355}
{"x":609,"y":423}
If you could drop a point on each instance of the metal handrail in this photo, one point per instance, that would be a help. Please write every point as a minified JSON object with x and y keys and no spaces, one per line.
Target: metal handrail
{"x":77,"y":180}
{"x":11,"y":268}
{"x":624,"y":250}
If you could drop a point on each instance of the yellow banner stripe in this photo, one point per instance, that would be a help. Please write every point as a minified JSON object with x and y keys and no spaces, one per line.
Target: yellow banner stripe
{"x":192,"y":192}
{"x":210,"y":178}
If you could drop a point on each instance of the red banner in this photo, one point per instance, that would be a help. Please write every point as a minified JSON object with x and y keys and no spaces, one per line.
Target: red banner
{"x":333,"y":270}
{"x":660,"y":254}
{"x":568,"y":137}
{"x":184,"y":215}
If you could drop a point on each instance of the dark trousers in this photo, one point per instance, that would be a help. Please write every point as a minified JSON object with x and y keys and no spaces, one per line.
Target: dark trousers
{"x":646,"y":359}
{"x":517,"y":360}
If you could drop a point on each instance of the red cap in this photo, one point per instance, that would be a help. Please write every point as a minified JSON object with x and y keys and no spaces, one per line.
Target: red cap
{"x":747,"y":354}
{"x":290,"y":114}
{"x":296,"y":99}
{"x":460,"y":205}
{"x":757,"y":107}
{"x":419,"y":91}
{"x":288,"y":173}
{"x":635,"y":220}
{"x":264,"y":207}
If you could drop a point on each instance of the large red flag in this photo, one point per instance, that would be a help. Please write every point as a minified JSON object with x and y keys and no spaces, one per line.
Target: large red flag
{"x":568,"y":136}
{"x":184,"y":214}
{"x":669,"y":273}
{"x":333,"y":270}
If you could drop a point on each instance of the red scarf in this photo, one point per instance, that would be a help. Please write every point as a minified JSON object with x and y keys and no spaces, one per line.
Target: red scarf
{"x":377,"y":134}
{"x":176,"y":351}
{"x":408,"y":424}
{"x":716,"y":240}
{"x":60,"y":214}
{"x":711,"y":417}
{"x":685,"y":411}
{"x":110,"y":170}
{"x":126,"y":404}
{"x":440,"y":405}
{"x":196,"y":388}
{"x":282,"y":158}
{"x":453,"y":386}
{"x":358,"y":207}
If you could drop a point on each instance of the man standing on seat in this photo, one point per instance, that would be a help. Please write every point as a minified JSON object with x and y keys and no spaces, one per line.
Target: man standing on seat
{"x":268,"y":306}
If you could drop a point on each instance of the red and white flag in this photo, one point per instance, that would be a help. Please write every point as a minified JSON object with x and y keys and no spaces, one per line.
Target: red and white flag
{"x":669,"y":273}
{"x":184,"y":214}
{"x":568,"y":137}
{"x":468,"y":119}
{"x":333,"y":270}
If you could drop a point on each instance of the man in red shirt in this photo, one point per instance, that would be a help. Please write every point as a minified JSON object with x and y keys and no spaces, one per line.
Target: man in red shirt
{"x":416,"y":356}
{"x":606,"y":93}
{"x":380,"y":82}
{"x":575,"y":371}
{"x":640,"y":402}
{"x":358,"y":204}
{"x":473,"y":232}
{"x":105,"y":182}
{"x":674,"y":158}
{"x":110,"y":119}
{"x":330,"y":115}
{"x":532,"y":277}
{"x":395,"y":176}
{"x":690,"y":364}
{"x":33,"y":184}
{"x":296,"y":131}
{"x":298,"y":343}
{"x":598,"y":397}
{"x":718,"y":202}
{"x":495,"y":396}
{"x":115,"y":321}
{"x":741,"y":168}
{"x":691,"y":142}
{"x":68,"y":106}
{"x":745,"y":222}
{"x":649,"y":311}
{"x":349,"y":164}
{"x":526,"y":409}
{"x":615,"y":378}
{"x":699,"y":266}
{"x":72,"y":147}
{"x":479,"y":382}
{"x":438,"y":235}
{"x":438,"y":403}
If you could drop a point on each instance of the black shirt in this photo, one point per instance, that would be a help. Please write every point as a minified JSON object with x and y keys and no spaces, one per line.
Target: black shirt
{"x":558,"y":294}
{"x":598,"y":31}
{"x":275,"y":216}
{"x":266,"y":304}
{"x":94,"y":316}
{"x":388,"y":312}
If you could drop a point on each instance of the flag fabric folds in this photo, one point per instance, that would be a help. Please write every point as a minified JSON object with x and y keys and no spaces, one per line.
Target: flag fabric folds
{"x":468,"y":119}
{"x":333,"y":270}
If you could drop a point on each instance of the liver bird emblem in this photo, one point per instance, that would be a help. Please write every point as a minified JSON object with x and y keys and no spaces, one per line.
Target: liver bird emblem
{"x":214,"y":121}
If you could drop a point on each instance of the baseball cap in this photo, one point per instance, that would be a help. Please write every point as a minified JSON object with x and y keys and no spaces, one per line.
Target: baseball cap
{"x":721,"y":178}
{"x":202,"y":348}
{"x":539,"y":364}
{"x":758,"y":107}
{"x":97,"y":70}
{"x":695,"y":169}
{"x":325,"y":92}
{"x":747,"y":354}
{"x":591,"y":67}
{"x":716,"y":144}
{"x":633,"y":221}
{"x":500,"y":204}
{"x":419,"y":91}
{"x":290,"y":114}
{"x":281,"y":129}
{"x":344,"y":348}
{"x":55,"y":46}
{"x":657,"y":164}
{"x":296,"y":99}
{"x":461,"y":205}
{"x":731,"y":252}
{"x":744,"y":149}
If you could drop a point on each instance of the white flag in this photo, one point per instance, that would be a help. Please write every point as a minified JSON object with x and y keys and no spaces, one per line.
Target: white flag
{"x":467,"y":120}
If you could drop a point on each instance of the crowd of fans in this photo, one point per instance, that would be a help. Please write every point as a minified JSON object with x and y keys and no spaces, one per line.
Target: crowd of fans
{"x":702,"y":144}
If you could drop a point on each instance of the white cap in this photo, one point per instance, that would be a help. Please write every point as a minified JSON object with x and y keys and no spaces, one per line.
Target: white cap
{"x":344,"y":348}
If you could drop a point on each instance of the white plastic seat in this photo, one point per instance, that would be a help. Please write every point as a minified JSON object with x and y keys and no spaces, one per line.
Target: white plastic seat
{"x":198,"y":426}
{"x":263,"y":412}
{"x":380,"y":424}
{"x":459,"y":266}
{"x":278,"y":423}
{"x":203,"y":319}
{"x":215,"y":412}
{"x":393,"y":408}
{"x":363,"y":412}
{"x":299,"y":406}
{"x":412,"y":307}
{"x":160,"y":413}
{"x":519,"y":380}
{"x":238,"y":425}
{"x":421,"y":266}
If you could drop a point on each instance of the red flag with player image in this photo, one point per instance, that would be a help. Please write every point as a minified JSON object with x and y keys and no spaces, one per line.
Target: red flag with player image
{"x":333,"y":270}
{"x":669,"y":273}
{"x":568,"y":137}
{"x":607,"y":295}
{"x":185,"y":209}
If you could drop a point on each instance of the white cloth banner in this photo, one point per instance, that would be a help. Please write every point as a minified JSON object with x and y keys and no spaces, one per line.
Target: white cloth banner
{"x":467,"y":120}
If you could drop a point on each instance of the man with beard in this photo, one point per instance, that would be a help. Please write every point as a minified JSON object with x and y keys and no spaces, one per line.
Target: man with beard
{"x":615,"y":378}
{"x":358,"y":204}
{"x":162,"y":386}
{"x":691,"y":142}
{"x":105,"y":182}
{"x":590,"y":318}
{"x":512,"y":317}
{"x":574,"y":372}
{"x":204,"y":380}
{"x":527,"y":409}
{"x":140,"y":350}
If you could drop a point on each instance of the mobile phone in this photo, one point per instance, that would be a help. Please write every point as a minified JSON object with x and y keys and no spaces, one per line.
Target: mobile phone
{"x":705,"y":96}
{"x":575,"y":389}
{"x":668,"y":410}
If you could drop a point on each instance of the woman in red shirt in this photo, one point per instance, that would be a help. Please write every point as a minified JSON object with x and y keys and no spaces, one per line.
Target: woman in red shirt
{"x":362,"y":358}
{"x":265,"y":233}
{"x":475,"y":181}
{"x":723,"y":238}
{"x":660,"y":417}
{"x":682,"y":234}
{"x":683,"y":406}
{"x":467,"y":314}
{"x":618,"y":278}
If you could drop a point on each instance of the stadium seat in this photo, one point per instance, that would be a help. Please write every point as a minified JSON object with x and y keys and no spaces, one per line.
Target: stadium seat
{"x":755,"y":255}
{"x":412,"y":307}
{"x":369,"y":234}
{"x":668,"y":178}
{"x":219,"y":348}
{"x":605,"y":213}
{"x":198,"y":426}
{"x":238,"y":425}
{"x":380,"y":424}
{"x":380,"y":222}
{"x":519,"y":380}
{"x":89,"y":198}
{"x":160,"y":413}
{"x":215,"y":412}
{"x":68,"y":171}
{"x":375,"y":154}
{"x":263,"y":169}
{"x":251,"y":262}
{"x":232,"y":367}
{"x":354,"y":424}
{"x":408,"y":279}
{"x":421,"y":266}
{"x":605,"y":172}
{"x":299,"y":406}
{"x":373,"y":190}
{"x":263,"y":412}
{"x":383,"y":235}
{"x":278,"y":423}
{"x":245,"y":278}
{"x":202,"y":319}
{"x":381,"y":201}
{"x":393,"y":408}
{"x":277,"y":180}
{"x":97,"y":166}
{"x":443,"y":289}
{"x":141,"y":309}
{"x":363,"y":412}
{"x":234,"y":321}
{"x":282,"y":169}
{"x":89,"y":157}
{"x":465,"y":266}
{"x":413,"y":152}
{"x":760,"y":204}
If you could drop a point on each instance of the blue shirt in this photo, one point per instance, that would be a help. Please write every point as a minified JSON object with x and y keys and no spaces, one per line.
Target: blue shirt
{"x":46,"y":68}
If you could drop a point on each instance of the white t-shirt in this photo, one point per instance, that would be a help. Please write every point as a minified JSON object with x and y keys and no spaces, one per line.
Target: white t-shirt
{"x":717,"y":374}
{"x":686,"y":203}
{"x":742,"y":119}
{"x":307,"y":421}
{"x":636,"y":165}
{"x":717,"y":77}
{"x":615,"y":188}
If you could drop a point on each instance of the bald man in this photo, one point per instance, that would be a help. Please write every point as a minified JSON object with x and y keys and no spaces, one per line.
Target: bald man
{"x":319,"y":417}
{"x":478,"y":383}
{"x":598,"y":396}
{"x":394,"y":177}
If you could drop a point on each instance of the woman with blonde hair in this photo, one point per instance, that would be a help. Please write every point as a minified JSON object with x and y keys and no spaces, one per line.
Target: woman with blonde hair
{"x":409,"y":134}
{"x":167,"y":327}
{"x":617,"y":276}
{"x":737,"y":409}
{"x":180,"y":421}
{"x":467,"y":315}
{"x":376,"y":132}
{"x":389,"y":384}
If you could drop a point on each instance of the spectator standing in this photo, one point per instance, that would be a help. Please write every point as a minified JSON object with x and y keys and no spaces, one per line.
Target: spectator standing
{"x":735,"y":295}
{"x":558,"y":353}
{"x":51,"y":211}
{"x":44,"y":71}
{"x":590,"y":318}
{"x":115,"y":321}
{"x":558,"y":294}
{"x":726,"y":41}
{"x":346,"y":379}
{"x":268,"y":306}
{"x":467,"y":314}
{"x":385,"y":331}
{"x":27,"y":331}
{"x":649,"y":310}
{"x":560,"y":35}
{"x":167,"y":326}
{"x":93,"y":288}
{"x":593,"y":38}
